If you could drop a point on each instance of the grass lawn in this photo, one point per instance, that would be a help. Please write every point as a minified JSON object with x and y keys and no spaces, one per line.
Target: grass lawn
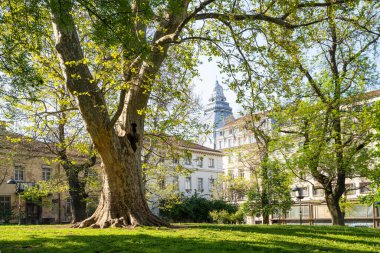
{"x":190,"y":238}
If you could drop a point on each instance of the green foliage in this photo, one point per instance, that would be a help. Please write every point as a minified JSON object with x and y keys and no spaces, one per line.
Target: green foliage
{"x":225,"y":217}
{"x":373,"y":173}
{"x":6,"y":215}
{"x":271,"y":194}
{"x":193,"y":209}
{"x":43,"y":189}
{"x":324,"y":122}
{"x":18,"y":42}
{"x":230,"y":188}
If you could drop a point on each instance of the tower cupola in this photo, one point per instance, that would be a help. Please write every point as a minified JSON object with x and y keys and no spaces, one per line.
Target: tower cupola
{"x":217,"y":110}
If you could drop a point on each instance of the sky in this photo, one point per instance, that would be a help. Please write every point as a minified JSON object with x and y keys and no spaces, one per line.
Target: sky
{"x":208,"y":73}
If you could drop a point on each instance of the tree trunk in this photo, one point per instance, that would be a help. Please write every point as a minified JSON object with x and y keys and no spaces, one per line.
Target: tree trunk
{"x":122,"y":201}
{"x":265,"y":206}
{"x":266,"y":219}
{"x":265,"y":203}
{"x":78,"y":195}
{"x":334,"y":208}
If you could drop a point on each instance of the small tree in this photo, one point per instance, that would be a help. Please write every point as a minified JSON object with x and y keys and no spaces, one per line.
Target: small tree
{"x":234,"y":189}
{"x":270,"y":194}
{"x":373,"y":172}
{"x":321,"y":75}
{"x":54,"y":121}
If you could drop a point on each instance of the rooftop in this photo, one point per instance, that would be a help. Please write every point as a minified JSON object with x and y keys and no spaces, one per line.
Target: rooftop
{"x":191,"y":145}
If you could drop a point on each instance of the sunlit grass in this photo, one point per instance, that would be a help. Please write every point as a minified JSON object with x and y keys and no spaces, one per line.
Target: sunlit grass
{"x":190,"y":238}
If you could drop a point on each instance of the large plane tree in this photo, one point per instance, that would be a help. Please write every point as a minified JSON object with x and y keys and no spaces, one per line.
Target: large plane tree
{"x":131,"y":38}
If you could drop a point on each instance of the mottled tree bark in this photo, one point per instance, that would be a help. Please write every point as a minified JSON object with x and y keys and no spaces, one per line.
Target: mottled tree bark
{"x":122,"y":201}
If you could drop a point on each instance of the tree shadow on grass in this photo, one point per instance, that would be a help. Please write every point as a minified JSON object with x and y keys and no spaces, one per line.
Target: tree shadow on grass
{"x":293,"y":229}
{"x":166,"y":242}
{"x":331,"y":233}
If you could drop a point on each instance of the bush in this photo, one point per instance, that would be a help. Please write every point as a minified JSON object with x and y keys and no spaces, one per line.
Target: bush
{"x":224,"y":217}
{"x":6,"y":215}
{"x":193,"y":209}
{"x":220,"y":217}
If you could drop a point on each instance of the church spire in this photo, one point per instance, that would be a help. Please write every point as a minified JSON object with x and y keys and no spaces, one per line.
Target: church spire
{"x":216,"y":111}
{"x":217,"y":93}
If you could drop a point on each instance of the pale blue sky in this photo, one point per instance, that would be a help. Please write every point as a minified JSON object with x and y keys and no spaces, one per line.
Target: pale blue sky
{"x":204,"y":85}
{"x":209,"y":71}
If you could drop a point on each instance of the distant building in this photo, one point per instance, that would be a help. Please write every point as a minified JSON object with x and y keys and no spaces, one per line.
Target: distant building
{"x":232,"y":138}
{"x":217,"y":112}
{"x":27,"y":162}
{"x":201,"y":167}
{"x":205,"y":165}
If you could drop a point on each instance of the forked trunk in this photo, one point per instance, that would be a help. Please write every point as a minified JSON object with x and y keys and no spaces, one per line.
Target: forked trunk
{"x":335,"y":211}
{"x":122,"y":202}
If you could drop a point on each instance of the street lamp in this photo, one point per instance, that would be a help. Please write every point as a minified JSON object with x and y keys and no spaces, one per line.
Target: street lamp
{"x":298,"y":192}
{"x":12,"y":181}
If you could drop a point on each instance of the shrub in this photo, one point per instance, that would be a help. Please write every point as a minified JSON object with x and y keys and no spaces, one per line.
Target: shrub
{"x":193,"y":209}
{"x":224,"y":217}
{"x":220,"y":217}
{"x":6,"y":216}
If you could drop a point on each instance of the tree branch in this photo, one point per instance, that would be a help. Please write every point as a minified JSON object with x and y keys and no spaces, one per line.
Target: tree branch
{"x":123,"y":94}
{"x":253,"y":17}
{"x":174,"y":36}
{"x":314,"y":85}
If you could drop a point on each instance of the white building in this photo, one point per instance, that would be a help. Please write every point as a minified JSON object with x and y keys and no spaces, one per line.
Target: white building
{"x":205,"y":165}
{"x":191,"y":170}
{"x":216,"y":114}
{"x":230,"y":136}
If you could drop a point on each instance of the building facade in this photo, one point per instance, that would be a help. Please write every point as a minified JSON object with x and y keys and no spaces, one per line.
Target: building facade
{"x":205,"y":166}
{"x":28,"y":162}
{"x":229,"y":149}
{"x":241,"y":155}
{"x":216,"y":114}
{"x":192,"y":170}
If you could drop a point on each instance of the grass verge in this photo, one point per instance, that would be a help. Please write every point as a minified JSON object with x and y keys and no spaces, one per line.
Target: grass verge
{"x":190,"y":238}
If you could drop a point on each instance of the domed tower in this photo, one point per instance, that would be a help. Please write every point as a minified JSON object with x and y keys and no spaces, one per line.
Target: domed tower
{"x":217,"y":110}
